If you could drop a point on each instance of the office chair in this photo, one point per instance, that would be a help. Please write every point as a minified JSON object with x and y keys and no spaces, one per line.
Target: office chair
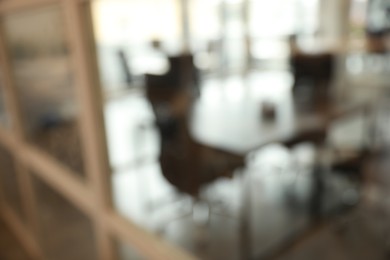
{"x":189,"y":166}
{"x":181,"y":76}
{"x":312,"y":72}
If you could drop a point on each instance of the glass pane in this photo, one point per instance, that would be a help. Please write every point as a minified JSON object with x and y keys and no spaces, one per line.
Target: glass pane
{"x":200,"y":169}
{"x":65,"y":231}
{"x":205,"y":26}
{"x":44,"y":78}
{"x":204,"y":19}
{"x":3,"y":116}
{"x":9,"y":182}
{"x":177,"y":158}
{"x":124,"y":47}
{"x":126,"y":252}
{"x":279,"y":13}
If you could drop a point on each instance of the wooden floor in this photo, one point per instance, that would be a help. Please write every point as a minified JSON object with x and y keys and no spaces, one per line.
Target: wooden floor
{"x":10,"y":248}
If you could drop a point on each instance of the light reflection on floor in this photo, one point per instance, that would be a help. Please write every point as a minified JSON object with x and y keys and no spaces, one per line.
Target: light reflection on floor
{"x":280,"y":196}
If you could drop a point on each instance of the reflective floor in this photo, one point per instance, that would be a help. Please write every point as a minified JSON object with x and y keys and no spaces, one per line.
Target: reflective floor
{"x":280,"y":195}
{"x":278,"y":185}
{"x":10,"y":248}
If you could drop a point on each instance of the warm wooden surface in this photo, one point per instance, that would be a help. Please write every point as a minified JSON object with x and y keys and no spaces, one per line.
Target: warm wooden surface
{"x":10,"y":248}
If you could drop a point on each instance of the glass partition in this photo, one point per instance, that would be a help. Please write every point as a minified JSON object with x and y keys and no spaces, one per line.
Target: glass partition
{"x":44,"y":79}
{"x":125,"y":32}
{"x":216,"y":165}
{"x":205,"y":26}
{"x":126,"y":252}
{"x":181,"y":141}
{"x":9,"y":182}
{"x":4,"y":119}
{"x":141,"y":190}
{"x":65,"y":232}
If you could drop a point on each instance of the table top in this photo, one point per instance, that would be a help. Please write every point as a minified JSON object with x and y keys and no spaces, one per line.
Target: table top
{"x":232,"y":120}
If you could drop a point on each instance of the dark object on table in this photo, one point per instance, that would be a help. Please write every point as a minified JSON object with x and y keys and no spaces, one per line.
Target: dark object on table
{"x":181,"y":77}
{"x":268,"y":111}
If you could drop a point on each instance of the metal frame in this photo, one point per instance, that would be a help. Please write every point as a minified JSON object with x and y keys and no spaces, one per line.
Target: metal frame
{"x":92,"y":196}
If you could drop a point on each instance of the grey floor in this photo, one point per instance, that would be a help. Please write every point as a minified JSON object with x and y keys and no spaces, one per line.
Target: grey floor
{"x":279,"y":196}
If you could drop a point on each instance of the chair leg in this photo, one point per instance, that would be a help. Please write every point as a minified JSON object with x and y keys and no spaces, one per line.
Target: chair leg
{"x":245,"y":220}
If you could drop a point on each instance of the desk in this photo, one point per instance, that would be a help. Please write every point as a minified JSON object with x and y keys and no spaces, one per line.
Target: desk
{"x":234,"y":123}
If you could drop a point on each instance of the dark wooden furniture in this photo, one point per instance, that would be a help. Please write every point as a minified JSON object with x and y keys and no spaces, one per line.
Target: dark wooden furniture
{"x":189,"y":165}
{"x":203,"y":146}
{"x":186,"y":163}
{"x":313,"y":69}
{"x":182,"y":76}
{"x":317,"y":68}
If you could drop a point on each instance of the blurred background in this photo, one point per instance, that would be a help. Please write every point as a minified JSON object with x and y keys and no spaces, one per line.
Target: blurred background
{"x":231,"y":129}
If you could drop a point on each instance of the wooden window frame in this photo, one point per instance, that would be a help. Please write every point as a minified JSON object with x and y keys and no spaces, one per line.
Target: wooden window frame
{"x":92,"y":196}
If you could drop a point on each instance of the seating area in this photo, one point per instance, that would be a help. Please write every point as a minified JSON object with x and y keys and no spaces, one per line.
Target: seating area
{"x":254,"y":163}
{"x":311,"y":177}
{"x":195,"y":129}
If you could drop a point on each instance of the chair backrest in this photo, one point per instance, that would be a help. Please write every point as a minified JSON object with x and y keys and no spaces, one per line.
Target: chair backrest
{"x":181,"y":77}
{"x":317,"y":67}
{"x":182,"y":69}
